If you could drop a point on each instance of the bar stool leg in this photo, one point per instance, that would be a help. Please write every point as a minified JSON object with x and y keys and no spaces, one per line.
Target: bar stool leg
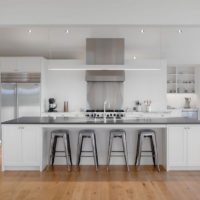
{"x":69,"y":149}
{"x":94,"y":151}
{"x":109,"y":150}
{"x":54,"y":149}
{"x":124,"y":143}
{"x":153,"y":150}
{"x":66,"y":151}
{"x":140,"y":151}
{"x":50,"y":150}
{"x":156,"y":152}
{"x":137,"y":150}
{"x":79,"y":147}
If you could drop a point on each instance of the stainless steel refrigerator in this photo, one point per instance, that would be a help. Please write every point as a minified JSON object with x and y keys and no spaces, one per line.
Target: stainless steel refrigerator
{"x":20,"y":95}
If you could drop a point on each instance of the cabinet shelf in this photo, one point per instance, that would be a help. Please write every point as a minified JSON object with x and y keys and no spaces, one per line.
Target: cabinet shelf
{"x":181,"y":79}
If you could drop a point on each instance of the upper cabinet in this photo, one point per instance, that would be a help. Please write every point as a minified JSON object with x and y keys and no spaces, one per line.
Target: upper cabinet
{"x":181,"y":79}
{"x":21,"y":64}
{"x":180,"y":45}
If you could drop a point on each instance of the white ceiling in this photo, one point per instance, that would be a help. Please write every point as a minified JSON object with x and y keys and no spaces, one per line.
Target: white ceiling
{"x":101,"y":12}
{"x":53,"y":42}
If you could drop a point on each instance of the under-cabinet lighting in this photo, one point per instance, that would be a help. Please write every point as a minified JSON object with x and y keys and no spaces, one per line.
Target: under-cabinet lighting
{"x":29,"y":31}
{"x":84,"y":69}
{"x":134,"y":58}
{"x":67,"y":31}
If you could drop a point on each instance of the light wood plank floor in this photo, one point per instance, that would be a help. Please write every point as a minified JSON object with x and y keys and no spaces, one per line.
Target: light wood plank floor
{"x":87,"y":184}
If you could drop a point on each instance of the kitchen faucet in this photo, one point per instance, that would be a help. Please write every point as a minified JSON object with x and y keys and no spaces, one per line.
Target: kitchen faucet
{"x":104,"y":109}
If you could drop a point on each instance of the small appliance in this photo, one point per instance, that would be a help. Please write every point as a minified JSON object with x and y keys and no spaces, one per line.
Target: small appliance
{"x":52,"y":105}
{"x":187,"y":102}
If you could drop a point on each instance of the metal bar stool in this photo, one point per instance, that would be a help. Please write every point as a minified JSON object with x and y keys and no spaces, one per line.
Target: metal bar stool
{"x":64,"y":134}
{"x":83,"y":134}
{"x":118,"y":133}
{"x":147,"y":133}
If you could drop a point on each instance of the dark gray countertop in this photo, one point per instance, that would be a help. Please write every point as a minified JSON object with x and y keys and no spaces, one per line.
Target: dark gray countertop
{"x":69,"y":120}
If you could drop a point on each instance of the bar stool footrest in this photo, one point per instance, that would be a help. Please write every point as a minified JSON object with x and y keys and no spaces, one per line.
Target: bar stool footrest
{"x":117,"y":156}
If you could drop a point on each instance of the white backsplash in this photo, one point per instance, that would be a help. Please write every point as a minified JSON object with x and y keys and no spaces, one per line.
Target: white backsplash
{"x":178,"y":100}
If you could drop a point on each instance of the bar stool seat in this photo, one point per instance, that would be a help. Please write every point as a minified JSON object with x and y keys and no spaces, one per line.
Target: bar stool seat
{"x":114,"y":133}
{"x":87,"y":133}
{"x":147,"y":133}
{"x":55,"y":135}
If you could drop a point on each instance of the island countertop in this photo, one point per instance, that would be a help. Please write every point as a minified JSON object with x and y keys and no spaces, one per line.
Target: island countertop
{"x":125,"y":121}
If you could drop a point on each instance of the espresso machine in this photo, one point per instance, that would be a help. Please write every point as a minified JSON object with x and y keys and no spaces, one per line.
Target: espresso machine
{"x":52,"y":105}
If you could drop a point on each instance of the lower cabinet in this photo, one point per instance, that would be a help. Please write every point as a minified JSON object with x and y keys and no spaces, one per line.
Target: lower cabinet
{"x":183,"y":147}
{"x":193,"y":146}
{"x":21,"y":147}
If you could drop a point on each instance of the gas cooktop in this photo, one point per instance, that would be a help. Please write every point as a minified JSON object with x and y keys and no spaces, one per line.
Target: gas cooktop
{"x":109,"y":113}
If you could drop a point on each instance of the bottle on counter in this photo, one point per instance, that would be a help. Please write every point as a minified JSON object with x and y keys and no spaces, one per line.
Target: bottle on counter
{"x":65,"y":106}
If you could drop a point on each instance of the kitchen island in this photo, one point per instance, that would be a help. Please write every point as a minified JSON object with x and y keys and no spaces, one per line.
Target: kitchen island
{"x":26,"y":140}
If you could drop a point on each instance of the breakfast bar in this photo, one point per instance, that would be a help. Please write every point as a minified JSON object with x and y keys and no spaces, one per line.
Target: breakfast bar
{"x":26,"y":141}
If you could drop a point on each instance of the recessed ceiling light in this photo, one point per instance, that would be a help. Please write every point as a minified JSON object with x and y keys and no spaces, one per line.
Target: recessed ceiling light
{"x":134,"y":58}
{"x":67,"y":31}
{"x":142,"y":31}
{"x":29,"y":31}
{"x":180,"y":31}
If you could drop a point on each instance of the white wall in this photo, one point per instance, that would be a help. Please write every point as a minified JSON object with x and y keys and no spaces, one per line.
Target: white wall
{"x":139,"y":85}
{"x":178,"y":100}
{"x":146,"y":85}
{"x":67,"y":86}
{"x":25,"y":12}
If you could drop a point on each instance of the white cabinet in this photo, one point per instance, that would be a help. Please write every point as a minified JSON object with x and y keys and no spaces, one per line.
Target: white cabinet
{"x":21,"y":64}
{"x":183,"y":143}
{"x":11,"y":146}
{"x":193,"y":146}
{"x":176,"y":146}
{"x":21,"y":147}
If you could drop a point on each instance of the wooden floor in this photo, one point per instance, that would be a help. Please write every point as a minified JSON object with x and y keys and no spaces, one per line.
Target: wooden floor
{"x":87,"y":184}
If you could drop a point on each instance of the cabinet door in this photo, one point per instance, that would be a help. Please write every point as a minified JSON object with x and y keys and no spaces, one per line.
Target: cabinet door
{"x":193,"y":147}
{"x":29,"y":64}
{"x":176,"y":146}
{"x":9,"y":64}
{"x":11,"y":145}
{"x":30,"y":146}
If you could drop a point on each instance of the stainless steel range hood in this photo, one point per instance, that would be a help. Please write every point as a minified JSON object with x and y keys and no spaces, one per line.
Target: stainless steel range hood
{"x":105,"y":51}
{"x":105,"y":76}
